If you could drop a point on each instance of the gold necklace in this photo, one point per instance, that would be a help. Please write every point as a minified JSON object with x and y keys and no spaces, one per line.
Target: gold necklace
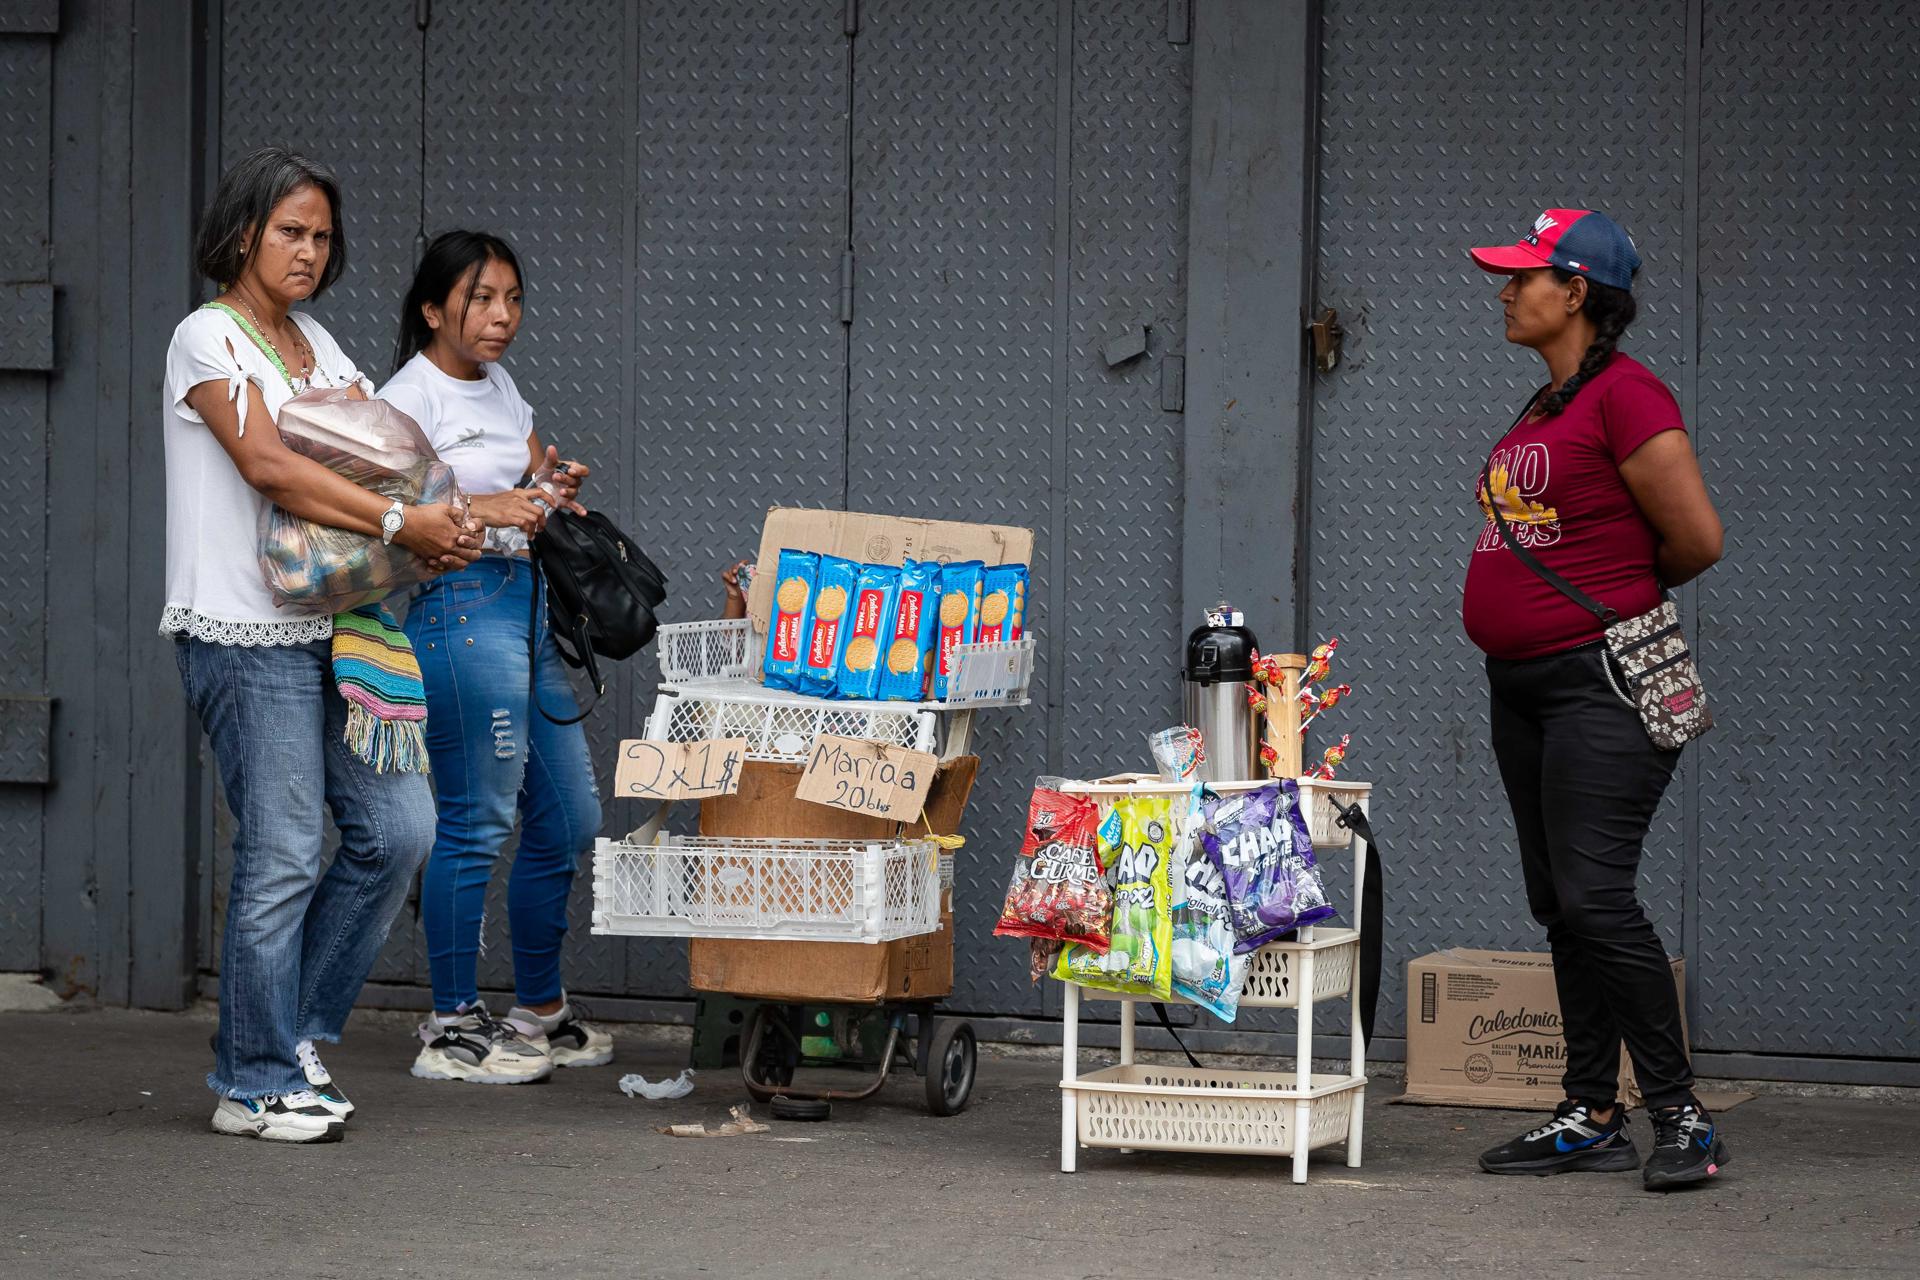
{"x":305,"y":377}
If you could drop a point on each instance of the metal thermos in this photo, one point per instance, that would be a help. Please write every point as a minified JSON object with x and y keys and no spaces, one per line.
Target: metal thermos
{"x":1214,"y":699}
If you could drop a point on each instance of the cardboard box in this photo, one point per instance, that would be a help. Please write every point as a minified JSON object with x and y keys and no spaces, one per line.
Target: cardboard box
{"x":914,"y":968}
{"x":876,"y":539}
{"x":1483,"y":1030}
{"x":917,"y":968}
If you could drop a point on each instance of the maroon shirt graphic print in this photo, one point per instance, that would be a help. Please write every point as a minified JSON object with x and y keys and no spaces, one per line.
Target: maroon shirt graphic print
{"x":1558,"y":484}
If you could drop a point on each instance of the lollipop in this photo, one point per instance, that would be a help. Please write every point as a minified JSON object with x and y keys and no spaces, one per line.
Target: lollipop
{"x":1331,"y":759}
{"x":1321,"y":662}
{"x":1325,"y":702}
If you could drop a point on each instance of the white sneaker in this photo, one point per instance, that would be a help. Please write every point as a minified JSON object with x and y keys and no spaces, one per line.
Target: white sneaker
{"x":474,"y":1047}
{"x":292,"y":1117}
{"x":331,"y":1095}
{"x":568,"y":1038}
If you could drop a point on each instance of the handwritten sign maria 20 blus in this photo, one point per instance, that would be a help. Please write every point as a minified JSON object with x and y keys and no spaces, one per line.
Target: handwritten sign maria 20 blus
{"x":875,"y":778}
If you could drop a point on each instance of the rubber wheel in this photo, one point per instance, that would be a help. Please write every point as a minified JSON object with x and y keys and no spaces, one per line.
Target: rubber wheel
{"x":953,"y":1059}
{"x":777,"y":1057}
{"x":785,"y":1108}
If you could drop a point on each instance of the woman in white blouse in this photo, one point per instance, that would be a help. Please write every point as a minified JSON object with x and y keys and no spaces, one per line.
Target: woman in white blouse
{"x":300,"y":936}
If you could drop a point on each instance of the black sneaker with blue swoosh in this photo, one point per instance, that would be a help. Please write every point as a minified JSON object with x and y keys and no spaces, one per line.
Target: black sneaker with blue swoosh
{"x":1687,"y":1148}
{"x":1571,"y":1142}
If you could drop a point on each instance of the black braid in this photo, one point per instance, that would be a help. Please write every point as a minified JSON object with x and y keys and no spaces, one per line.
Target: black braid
{"x":1611,"y":311}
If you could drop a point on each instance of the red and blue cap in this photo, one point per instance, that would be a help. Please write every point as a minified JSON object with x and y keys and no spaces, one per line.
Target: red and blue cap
{"x":1578,"y":240}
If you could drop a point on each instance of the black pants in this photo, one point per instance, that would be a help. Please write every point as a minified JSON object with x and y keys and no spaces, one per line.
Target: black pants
{"x":1584,"y":781}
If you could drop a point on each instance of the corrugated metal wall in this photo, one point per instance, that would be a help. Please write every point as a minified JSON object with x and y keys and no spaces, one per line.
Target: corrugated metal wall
{"x":26,"y":327}
{"x":1769,"y":199}
{"x":682,"y":183}
{"x":1009,"y":180}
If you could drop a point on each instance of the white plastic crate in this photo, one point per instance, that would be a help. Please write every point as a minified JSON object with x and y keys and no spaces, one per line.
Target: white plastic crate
{"x":716,"y":654}
{"x":994,"y":674}
{"x":776,"y":890}
{"x":778,"y":725}
{"x":1152,"y":1108}
{"x":723,"y":649}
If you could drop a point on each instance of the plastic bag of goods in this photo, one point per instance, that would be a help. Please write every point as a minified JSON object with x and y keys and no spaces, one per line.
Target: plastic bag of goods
{"x":1208,"y":969}
{"x":1258,"y":839}
{"x":315,"y":566}
{"x":1058,"y":892}
{"x":1139,"y":959}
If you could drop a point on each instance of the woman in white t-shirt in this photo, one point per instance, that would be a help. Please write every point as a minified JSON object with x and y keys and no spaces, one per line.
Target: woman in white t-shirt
{"x":495,"y":686}
{"x":298,"y":943}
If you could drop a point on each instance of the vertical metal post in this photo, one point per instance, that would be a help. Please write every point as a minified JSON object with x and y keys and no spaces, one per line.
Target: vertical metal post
{"x":160,"y":827}
{"x":1248,"y":288}
{"x":1356,"y":1039}
{"x":1069,"y":1068}
{"x":1303,"y":1066}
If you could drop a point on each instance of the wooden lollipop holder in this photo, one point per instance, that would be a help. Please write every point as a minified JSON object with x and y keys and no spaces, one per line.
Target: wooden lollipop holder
{"x":1281,"y":730}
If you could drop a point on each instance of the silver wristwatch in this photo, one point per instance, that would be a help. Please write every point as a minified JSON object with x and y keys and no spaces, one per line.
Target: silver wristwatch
{"x":393,"y":521}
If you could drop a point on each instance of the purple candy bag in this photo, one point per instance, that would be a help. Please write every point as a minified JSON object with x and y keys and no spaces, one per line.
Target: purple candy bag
{"x":1258,"y":839}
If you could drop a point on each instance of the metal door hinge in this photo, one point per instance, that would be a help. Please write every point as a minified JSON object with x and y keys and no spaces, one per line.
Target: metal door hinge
{"x":1173,"y":384}
{"x":422,"y":14}
{"x":1326,"y":334}
{"x":846,"y":287}
{"x":850,"y":20}
{"x":1179,"y":21}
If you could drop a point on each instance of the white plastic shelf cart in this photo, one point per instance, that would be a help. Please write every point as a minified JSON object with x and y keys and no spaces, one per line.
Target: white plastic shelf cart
{"x":1133,"y":1106}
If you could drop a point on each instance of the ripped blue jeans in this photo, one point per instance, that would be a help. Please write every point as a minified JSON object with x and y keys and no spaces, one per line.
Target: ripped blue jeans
{"x":494,"y":754}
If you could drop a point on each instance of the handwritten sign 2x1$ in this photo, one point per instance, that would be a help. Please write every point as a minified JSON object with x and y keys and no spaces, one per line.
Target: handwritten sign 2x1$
{"x":651,"y":770}
{"x":874,"y":778}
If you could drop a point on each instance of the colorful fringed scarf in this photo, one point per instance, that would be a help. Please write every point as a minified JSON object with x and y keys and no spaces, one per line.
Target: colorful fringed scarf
{"x":375,"y":671}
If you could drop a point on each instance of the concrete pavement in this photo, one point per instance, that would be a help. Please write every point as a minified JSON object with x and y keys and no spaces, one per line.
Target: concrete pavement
{"x":110,"y":1170}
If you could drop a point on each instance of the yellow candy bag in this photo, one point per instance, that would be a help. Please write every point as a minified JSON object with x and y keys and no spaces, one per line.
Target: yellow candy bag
{"x":1137,"y":840}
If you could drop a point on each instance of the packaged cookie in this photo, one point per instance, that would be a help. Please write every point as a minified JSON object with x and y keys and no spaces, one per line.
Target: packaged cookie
{"x":824,"y":633}
{"x":960,"y":589}
{"x":1003,"y":604}
{"x":876,"y":594}
{"x":905,"y":654}
{"x":792,"y":593}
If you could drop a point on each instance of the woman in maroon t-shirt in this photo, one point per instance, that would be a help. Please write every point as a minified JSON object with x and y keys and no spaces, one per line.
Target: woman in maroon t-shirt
{"x":1598,"y":480}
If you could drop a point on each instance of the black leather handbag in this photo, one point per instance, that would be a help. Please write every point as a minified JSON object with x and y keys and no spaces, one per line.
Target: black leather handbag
{"x":601,"y":594}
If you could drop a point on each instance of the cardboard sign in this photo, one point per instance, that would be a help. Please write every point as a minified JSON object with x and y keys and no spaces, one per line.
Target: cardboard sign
{"x":873,"y":778}
{"x":651,"y":770}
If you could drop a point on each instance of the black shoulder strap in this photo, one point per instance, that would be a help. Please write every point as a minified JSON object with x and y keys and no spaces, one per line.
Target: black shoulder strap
{"x":1607,"y":616}
{"x":1372,"y":923}
{"x":1161,"y":1010}
{"x":580,"y":642}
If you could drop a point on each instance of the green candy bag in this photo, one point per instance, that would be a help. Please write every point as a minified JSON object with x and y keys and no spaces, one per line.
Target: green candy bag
{"x":1137,"y":840}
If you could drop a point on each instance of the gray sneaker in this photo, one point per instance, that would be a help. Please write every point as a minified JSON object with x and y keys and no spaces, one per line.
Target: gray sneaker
{"x":571,"y":1041}
{"x":478,"y":1049}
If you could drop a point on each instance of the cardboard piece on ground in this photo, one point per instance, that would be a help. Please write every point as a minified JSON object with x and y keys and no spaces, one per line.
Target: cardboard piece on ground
{"x":650,"y":770}
{"x":1483,"y":1030}
{"x":875,"y":539}
{"x":863,"y":776}
{"x":905,"y":969}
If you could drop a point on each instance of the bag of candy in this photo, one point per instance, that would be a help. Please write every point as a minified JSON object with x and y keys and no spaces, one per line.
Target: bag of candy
{"x":1139,"y":959}
{"x":1058,"y":891}
{"x":1206,"y":968}
{"x":1258,"y":839}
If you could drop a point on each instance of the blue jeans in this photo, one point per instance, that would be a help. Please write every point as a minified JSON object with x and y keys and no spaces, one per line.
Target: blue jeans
{"x":493,"y":753}
{"x":298,"y":943}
